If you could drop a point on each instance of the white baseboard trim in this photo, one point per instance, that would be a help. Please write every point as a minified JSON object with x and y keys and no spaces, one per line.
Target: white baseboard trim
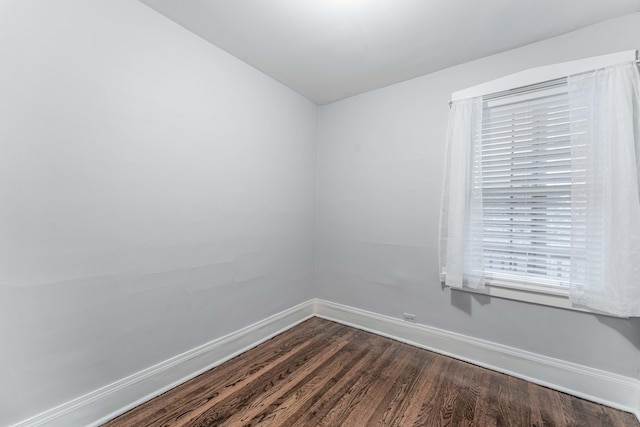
{"x":101,"y":405}
{"x":599,"y":386}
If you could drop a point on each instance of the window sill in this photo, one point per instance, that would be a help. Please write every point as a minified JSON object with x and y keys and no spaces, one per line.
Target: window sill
{"x":527,"y":293}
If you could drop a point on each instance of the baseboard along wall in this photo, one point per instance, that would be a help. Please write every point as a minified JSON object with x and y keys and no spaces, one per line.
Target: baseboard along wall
{"x":114,"y":399}
{"x":99,"y":406}
{"x":592,"y":384}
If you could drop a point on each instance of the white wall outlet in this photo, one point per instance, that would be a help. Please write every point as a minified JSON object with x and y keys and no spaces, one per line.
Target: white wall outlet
{"x":409,"y":317}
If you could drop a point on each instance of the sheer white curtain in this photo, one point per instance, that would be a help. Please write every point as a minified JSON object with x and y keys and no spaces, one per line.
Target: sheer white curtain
{"x":605,"y":192}
{"x":605,"y":206}
{"x":461,"y":260}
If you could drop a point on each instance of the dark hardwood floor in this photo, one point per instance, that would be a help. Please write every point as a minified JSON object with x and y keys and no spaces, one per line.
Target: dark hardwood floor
{"x":321,"y":373}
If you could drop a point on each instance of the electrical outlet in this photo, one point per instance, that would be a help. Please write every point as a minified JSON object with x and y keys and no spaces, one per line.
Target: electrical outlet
{"x":409,"y":317}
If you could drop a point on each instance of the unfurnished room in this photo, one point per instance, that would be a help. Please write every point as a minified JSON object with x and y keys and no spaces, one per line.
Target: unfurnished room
{"x":319,"y":213}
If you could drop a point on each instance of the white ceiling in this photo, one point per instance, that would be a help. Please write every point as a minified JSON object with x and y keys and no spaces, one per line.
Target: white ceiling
{"x":331,"y":49}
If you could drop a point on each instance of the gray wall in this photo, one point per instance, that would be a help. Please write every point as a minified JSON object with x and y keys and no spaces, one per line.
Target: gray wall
{"x":379,"y":188}
{"x":156,"y":194}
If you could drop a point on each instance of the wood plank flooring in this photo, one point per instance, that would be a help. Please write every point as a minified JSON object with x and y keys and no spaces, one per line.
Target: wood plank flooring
{"x":321,"y":373}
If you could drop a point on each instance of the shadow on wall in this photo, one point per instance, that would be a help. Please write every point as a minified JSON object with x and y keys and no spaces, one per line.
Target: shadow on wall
{"x":628,"y":328}
{"x":463,"y":300}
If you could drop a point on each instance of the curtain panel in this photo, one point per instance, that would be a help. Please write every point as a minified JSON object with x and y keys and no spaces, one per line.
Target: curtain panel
{"x":461,"y":260}
{"x":605,"y":232}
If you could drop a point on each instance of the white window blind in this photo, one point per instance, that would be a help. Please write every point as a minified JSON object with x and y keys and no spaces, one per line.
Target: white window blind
{"x":526,"y":174}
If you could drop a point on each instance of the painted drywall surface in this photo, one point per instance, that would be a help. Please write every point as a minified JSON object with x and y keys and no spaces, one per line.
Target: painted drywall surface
{"x":156,"y":194}
{"x":379,"y":188}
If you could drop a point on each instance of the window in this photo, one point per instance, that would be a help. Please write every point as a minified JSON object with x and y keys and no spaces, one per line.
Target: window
{"x":525,"y":151}
{"x":541,"y":198}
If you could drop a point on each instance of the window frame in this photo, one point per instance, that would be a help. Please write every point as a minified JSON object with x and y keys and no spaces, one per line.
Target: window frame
{"x":519,"y":289}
